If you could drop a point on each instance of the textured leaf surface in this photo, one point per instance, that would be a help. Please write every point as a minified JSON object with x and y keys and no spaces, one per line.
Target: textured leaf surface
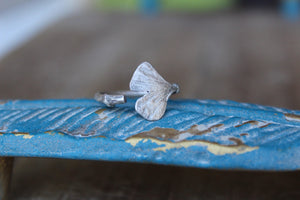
{"x":200,"y":133}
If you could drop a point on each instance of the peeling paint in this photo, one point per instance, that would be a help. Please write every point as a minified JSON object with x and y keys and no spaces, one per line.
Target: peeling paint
{"x":172,"y":138}
{"x":100,"y":136}
{"x":25,"y":135}
{"x":264,"y":126}
{"x":101,"y":114}
{"x":292,"y":117}
{"x":252,"y":122}
{"x":54,"y":132}
{"x":259,"y":124}
{"x":98,"y":112}
{"x":50,"y":132}
{"x":236,"y":140}
{"x":214,"y":148}
{"x":173,"y":134}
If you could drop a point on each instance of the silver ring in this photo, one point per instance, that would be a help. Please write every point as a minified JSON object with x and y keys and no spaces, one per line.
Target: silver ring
{"x":153,"y":92}
{"x":118,"y":97}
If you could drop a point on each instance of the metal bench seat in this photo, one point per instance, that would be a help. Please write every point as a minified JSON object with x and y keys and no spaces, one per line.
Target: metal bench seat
{"x":193,"y":133}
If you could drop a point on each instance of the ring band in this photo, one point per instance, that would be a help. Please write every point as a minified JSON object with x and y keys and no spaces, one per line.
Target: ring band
{"x":118,"y":97}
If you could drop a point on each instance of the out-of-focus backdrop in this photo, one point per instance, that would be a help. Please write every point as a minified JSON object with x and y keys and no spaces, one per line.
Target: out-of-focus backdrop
{"x":242,"y":50}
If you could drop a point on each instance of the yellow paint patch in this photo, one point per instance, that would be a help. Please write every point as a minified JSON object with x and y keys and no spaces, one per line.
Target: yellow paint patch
{"x":214,"y":148}
{"x":50,"y":132}
{"x":25,"y":135}
{"x":53,"y":133}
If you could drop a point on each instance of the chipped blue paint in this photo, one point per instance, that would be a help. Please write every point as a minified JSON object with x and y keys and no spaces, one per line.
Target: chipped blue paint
{"x":86,"y":129}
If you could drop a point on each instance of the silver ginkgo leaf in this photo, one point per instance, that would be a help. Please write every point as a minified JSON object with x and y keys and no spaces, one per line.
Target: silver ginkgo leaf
{"x":152,"y":105}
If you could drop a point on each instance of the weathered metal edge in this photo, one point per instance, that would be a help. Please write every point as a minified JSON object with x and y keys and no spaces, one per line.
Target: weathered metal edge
{"x":56,"y":145}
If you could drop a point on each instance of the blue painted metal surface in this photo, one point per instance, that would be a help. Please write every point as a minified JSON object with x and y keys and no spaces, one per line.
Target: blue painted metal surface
{"x":197,"y":133}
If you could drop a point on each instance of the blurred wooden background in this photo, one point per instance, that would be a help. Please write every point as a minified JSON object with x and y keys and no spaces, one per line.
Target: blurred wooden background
{"x":248,"y":57}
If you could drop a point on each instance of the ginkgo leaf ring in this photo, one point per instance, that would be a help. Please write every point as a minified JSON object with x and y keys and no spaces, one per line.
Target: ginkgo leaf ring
{"x":153,"y":90}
